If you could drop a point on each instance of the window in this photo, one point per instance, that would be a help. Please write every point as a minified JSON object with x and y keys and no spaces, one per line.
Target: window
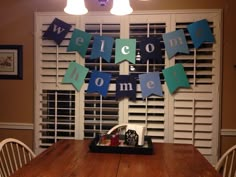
{"x":101,"y":113}
{"x":189,"y":116}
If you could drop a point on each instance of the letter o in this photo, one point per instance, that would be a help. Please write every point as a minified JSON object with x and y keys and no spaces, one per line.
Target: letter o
{"x":150,"y":48}
{"x":99,"y":81}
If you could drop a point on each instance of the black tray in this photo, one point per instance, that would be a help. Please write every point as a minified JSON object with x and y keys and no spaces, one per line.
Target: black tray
{"x":122,"y":149}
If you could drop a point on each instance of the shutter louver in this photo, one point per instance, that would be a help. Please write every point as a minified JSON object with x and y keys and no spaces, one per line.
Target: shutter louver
{"x":57,"y":119}
{"x":101,"y":113}
{"x":54,"y":59}
{"x":149,"y":112}
{"x":57,"y":101}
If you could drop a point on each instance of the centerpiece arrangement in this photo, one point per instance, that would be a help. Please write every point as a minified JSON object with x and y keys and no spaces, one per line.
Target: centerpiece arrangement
{"x":123,"y":138}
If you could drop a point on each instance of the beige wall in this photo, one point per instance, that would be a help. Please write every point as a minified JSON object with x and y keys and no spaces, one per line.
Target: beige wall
{"x":17,"y":27}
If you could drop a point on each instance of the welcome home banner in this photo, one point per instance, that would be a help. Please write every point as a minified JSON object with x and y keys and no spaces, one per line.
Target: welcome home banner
{"x":125,"y":49}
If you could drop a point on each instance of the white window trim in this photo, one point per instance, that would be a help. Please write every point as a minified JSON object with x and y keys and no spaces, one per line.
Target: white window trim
{"x":169,"y":124}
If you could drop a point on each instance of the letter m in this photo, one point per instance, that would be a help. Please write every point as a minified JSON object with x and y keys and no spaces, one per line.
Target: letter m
{"x":126,"y":86}
{"x":176,"y":41}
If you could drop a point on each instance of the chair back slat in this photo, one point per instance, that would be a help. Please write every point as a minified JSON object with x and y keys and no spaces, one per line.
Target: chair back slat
{"x":226,"y":165}
{"x":24,"y":155}
{"x":231,"y":164}
{"x":13,"y":155}
{"x":11,"y":159}
{"x":2,"y":171}
{"x":19,"y":157}
{"x":5,"y":160}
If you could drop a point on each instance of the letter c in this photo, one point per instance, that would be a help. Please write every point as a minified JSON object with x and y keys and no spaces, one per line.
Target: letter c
{"x":124,"y":50}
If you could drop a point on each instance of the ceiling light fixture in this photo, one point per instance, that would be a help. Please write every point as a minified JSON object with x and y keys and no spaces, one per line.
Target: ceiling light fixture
{"x":103,"y":2}
{"x":77,"y":7}
{"x":121,"y":7}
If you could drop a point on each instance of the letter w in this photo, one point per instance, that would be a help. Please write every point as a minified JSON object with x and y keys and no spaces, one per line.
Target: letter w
{"x":58,"y":29}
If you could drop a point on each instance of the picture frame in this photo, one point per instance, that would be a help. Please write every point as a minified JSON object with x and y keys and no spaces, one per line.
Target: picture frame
{"x":11,"y":62}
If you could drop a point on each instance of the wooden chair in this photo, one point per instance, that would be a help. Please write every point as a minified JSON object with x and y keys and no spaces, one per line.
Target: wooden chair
{"x":226,"y":165}
{"x":13,"y":155}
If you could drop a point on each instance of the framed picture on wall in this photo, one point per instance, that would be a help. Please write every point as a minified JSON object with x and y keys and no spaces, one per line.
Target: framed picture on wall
{"x":11,"y":62}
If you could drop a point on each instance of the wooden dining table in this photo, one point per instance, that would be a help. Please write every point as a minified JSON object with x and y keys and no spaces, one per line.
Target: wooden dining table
{"x":73,"y":158}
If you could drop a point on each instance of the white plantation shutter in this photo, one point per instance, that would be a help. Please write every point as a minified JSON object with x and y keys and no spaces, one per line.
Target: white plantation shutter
{"x":194,"y":111}
{"x":150,"y":112}
{"x":101,"y":113}
{"x":56,"y":104}
{"x":57,"y":119}
{"x":190,"y":115}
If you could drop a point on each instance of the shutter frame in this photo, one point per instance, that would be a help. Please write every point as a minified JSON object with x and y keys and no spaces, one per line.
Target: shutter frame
{"x":170,"y":107}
